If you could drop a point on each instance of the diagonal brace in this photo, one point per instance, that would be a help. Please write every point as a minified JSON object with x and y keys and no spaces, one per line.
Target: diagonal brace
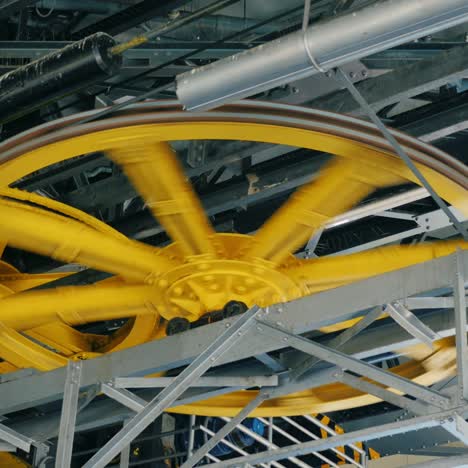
{"x":337,"y":342}
{"x":355,"y":365}
{"x":400,"y":151}
{"x":231,"y":336}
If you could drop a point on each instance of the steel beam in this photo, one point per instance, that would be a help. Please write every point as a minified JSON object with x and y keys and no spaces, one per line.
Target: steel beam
{"x":459,"y":279}
{"x":131,"y":16}
{"x":69,"y":411}
{"x":221,"y":381}
{"x":337,"y":342}
{"x":14,"y":438}
{"x":300,"y":316}
{"x":414,"y":406}
{"x":363,"y":435}
{"x":231,"y":336}
{"x":402,"y":83}
{"x":143,"y":57}
{"x":125,"y":397}
{"x":355,"y":365}
{"x":403,"y":154}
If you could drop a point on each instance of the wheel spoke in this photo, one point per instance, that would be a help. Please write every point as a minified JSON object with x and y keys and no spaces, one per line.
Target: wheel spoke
{"x":157,"y":175}
{"x":75,"y":305}
{"x":338,"y":187}
{"x":21,"y":282}
{"x":329,"y":272}
{"x":67,"y":240}
{"x":23,"y":353}
{"x":64,"y":338}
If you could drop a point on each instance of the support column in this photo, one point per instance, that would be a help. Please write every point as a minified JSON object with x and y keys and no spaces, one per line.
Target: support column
{"x":232,"y":335}
{"x":460,"y":326}
{"x":68,"y":417}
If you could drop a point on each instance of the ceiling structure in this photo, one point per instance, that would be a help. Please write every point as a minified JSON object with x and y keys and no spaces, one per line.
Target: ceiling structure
{"x":418,"y":87}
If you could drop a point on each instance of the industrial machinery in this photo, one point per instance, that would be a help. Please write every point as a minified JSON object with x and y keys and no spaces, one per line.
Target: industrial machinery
{"x":187,"y":278}
{"x":200,"y":271}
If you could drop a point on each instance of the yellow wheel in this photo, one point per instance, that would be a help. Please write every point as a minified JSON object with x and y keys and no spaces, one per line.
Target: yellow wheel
{"x":201,"y":271}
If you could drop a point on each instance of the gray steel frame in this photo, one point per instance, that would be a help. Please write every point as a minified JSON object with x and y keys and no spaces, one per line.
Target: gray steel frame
{"x":300,"y":316}
{"x":261,"y":327}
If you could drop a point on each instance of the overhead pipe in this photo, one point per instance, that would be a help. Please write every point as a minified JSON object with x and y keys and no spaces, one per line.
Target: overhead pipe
{"x":321,"y":47}
{"x":56,"y":75}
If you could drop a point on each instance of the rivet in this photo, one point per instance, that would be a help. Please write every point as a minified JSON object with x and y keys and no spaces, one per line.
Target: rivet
{"x":285,"y":338}
{"x":227,"y":325}
{"x":259,"y":328}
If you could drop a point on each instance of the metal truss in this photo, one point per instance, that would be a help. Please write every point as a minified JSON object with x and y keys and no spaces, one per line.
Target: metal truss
{"x":255,"y":332}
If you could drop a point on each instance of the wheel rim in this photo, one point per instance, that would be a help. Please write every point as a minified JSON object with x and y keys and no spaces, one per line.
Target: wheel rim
{"x":203,"y":270}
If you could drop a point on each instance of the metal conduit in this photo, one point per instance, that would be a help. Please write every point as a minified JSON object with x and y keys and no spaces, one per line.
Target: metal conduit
{"x":321,"y":47}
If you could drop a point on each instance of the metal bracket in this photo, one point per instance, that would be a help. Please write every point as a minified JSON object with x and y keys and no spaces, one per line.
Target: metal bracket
{"x":407,"y":320}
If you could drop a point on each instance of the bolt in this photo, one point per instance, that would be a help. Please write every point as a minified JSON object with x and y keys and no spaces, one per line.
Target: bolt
{"x":466,"y":37}
{"x":364,"y":73}
{"x":259,"y":328}
{"x":227,"y":325}
{"x":442,"y":421}
{"x":239,"y":333}
{"x":279,"y":310}
{"x":279,"y":324}
{"x":450,"y":419}
{"x":285,"y":338}
{"x":352,"y":75}
{"x":213,"y":359}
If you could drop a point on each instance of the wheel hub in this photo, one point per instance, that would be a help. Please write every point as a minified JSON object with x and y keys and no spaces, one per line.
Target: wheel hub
{"x":205,"y":284}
